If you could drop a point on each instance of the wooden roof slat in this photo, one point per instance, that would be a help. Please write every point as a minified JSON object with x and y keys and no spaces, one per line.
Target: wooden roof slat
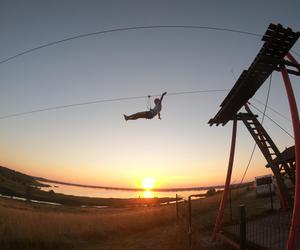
{"x":277,"y":43}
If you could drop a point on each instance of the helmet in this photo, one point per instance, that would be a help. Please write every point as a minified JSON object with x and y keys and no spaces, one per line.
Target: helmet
{"x":156,"y":100}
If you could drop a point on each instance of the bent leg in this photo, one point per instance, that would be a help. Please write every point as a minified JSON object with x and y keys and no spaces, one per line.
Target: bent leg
{"x":144,"y":114}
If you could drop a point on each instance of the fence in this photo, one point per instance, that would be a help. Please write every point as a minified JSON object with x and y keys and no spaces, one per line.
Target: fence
{"x":196,"y":226}
{"x":266,"y":227}
{"x":269,"y":231}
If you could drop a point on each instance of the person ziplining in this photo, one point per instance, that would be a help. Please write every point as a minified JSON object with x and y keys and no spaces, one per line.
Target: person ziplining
{"x":148,"y":114}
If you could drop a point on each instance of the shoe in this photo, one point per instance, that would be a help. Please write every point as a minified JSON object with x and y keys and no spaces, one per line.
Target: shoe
{"x":126,"y":117}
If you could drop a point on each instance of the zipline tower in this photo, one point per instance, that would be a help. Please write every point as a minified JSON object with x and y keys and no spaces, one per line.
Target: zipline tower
{"x":277,"y":43}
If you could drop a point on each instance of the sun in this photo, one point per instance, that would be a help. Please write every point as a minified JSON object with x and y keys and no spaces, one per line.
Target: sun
{"x":148,"y":183}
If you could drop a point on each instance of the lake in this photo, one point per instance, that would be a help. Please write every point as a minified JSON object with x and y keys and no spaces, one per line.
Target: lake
{"x":110,"y":193}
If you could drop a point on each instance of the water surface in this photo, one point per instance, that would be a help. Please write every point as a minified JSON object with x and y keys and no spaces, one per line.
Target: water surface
{"x":110,"y":193}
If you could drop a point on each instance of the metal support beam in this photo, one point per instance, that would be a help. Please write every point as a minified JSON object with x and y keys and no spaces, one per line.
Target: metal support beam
{"x":293,"y":60}
{"x":227,"y":182}
{"x":295,"y":222}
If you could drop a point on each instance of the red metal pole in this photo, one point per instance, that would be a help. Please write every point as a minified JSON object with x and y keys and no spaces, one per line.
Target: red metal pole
{"x":227,"y":182}
{"x":295,"y":221}
{"x":228,"y":240}
{"x":293,"y":60}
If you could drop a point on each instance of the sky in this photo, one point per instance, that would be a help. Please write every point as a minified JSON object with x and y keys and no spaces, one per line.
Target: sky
{"x":93,"y":144}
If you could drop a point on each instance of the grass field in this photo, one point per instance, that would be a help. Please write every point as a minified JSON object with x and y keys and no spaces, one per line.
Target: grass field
{"x":28,"y":226}
{"x":24,"y":225}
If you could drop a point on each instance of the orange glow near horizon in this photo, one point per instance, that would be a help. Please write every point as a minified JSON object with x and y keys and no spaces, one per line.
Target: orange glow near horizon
{"x":150,"y":175}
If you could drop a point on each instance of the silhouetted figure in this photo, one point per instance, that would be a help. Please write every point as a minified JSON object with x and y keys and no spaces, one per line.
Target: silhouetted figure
{"x":148,"y":114}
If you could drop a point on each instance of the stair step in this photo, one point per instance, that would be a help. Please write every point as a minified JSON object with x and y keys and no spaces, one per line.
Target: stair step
{"x":262,"y":140}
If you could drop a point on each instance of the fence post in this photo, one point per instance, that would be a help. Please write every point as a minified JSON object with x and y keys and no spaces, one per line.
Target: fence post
{"x":177,"y":212}
{"x":271,"y":197}
{"x":190,"y":214}
{"x":242,"y":227}
{"x":190,"y":221}
{"x":230,"y":203}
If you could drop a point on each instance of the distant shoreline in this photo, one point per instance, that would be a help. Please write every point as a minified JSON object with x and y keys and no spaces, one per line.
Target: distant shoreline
{"x":130,"y":189}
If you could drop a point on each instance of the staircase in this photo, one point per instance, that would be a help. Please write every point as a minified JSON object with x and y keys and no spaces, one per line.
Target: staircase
{"x":268,"y":148}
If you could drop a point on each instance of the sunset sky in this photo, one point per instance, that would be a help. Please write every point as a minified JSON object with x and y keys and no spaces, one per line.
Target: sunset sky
{"x":93,"y":144}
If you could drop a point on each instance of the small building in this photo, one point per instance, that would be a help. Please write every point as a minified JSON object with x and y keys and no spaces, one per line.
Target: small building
{"x":264,"y":185}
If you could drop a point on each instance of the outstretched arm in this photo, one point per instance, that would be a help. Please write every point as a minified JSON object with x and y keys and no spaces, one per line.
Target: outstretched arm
{"x":162,"y":96}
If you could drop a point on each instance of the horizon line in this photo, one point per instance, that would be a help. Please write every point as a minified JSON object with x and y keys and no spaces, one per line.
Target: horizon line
{"x":41,"y":179}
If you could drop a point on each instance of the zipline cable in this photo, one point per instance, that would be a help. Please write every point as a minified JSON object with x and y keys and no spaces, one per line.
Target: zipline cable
{"x":274,"y":110}
{"x":126,"y":29}
{"x":273,"y":121}
{"x":262,"y":121}
{"x":106,"y":100}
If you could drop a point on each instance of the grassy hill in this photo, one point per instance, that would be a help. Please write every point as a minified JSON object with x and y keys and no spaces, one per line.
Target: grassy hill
{"x":16,"y":183}
{"x":18,"y":177}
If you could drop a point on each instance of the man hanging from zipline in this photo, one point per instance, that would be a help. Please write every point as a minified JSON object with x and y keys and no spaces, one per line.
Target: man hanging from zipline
{"x":148,"y":114}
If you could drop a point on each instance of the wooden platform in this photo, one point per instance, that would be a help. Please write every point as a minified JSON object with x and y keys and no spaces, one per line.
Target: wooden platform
{"x":277,"y":43}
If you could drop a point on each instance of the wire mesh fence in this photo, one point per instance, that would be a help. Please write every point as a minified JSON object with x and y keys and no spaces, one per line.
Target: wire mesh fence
{"x":267,"y":227}
{"x":266,"y":232}
{"x":195,"y":217}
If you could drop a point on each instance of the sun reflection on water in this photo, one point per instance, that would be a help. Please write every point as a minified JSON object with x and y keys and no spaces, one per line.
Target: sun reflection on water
{"x":148,"y":194}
